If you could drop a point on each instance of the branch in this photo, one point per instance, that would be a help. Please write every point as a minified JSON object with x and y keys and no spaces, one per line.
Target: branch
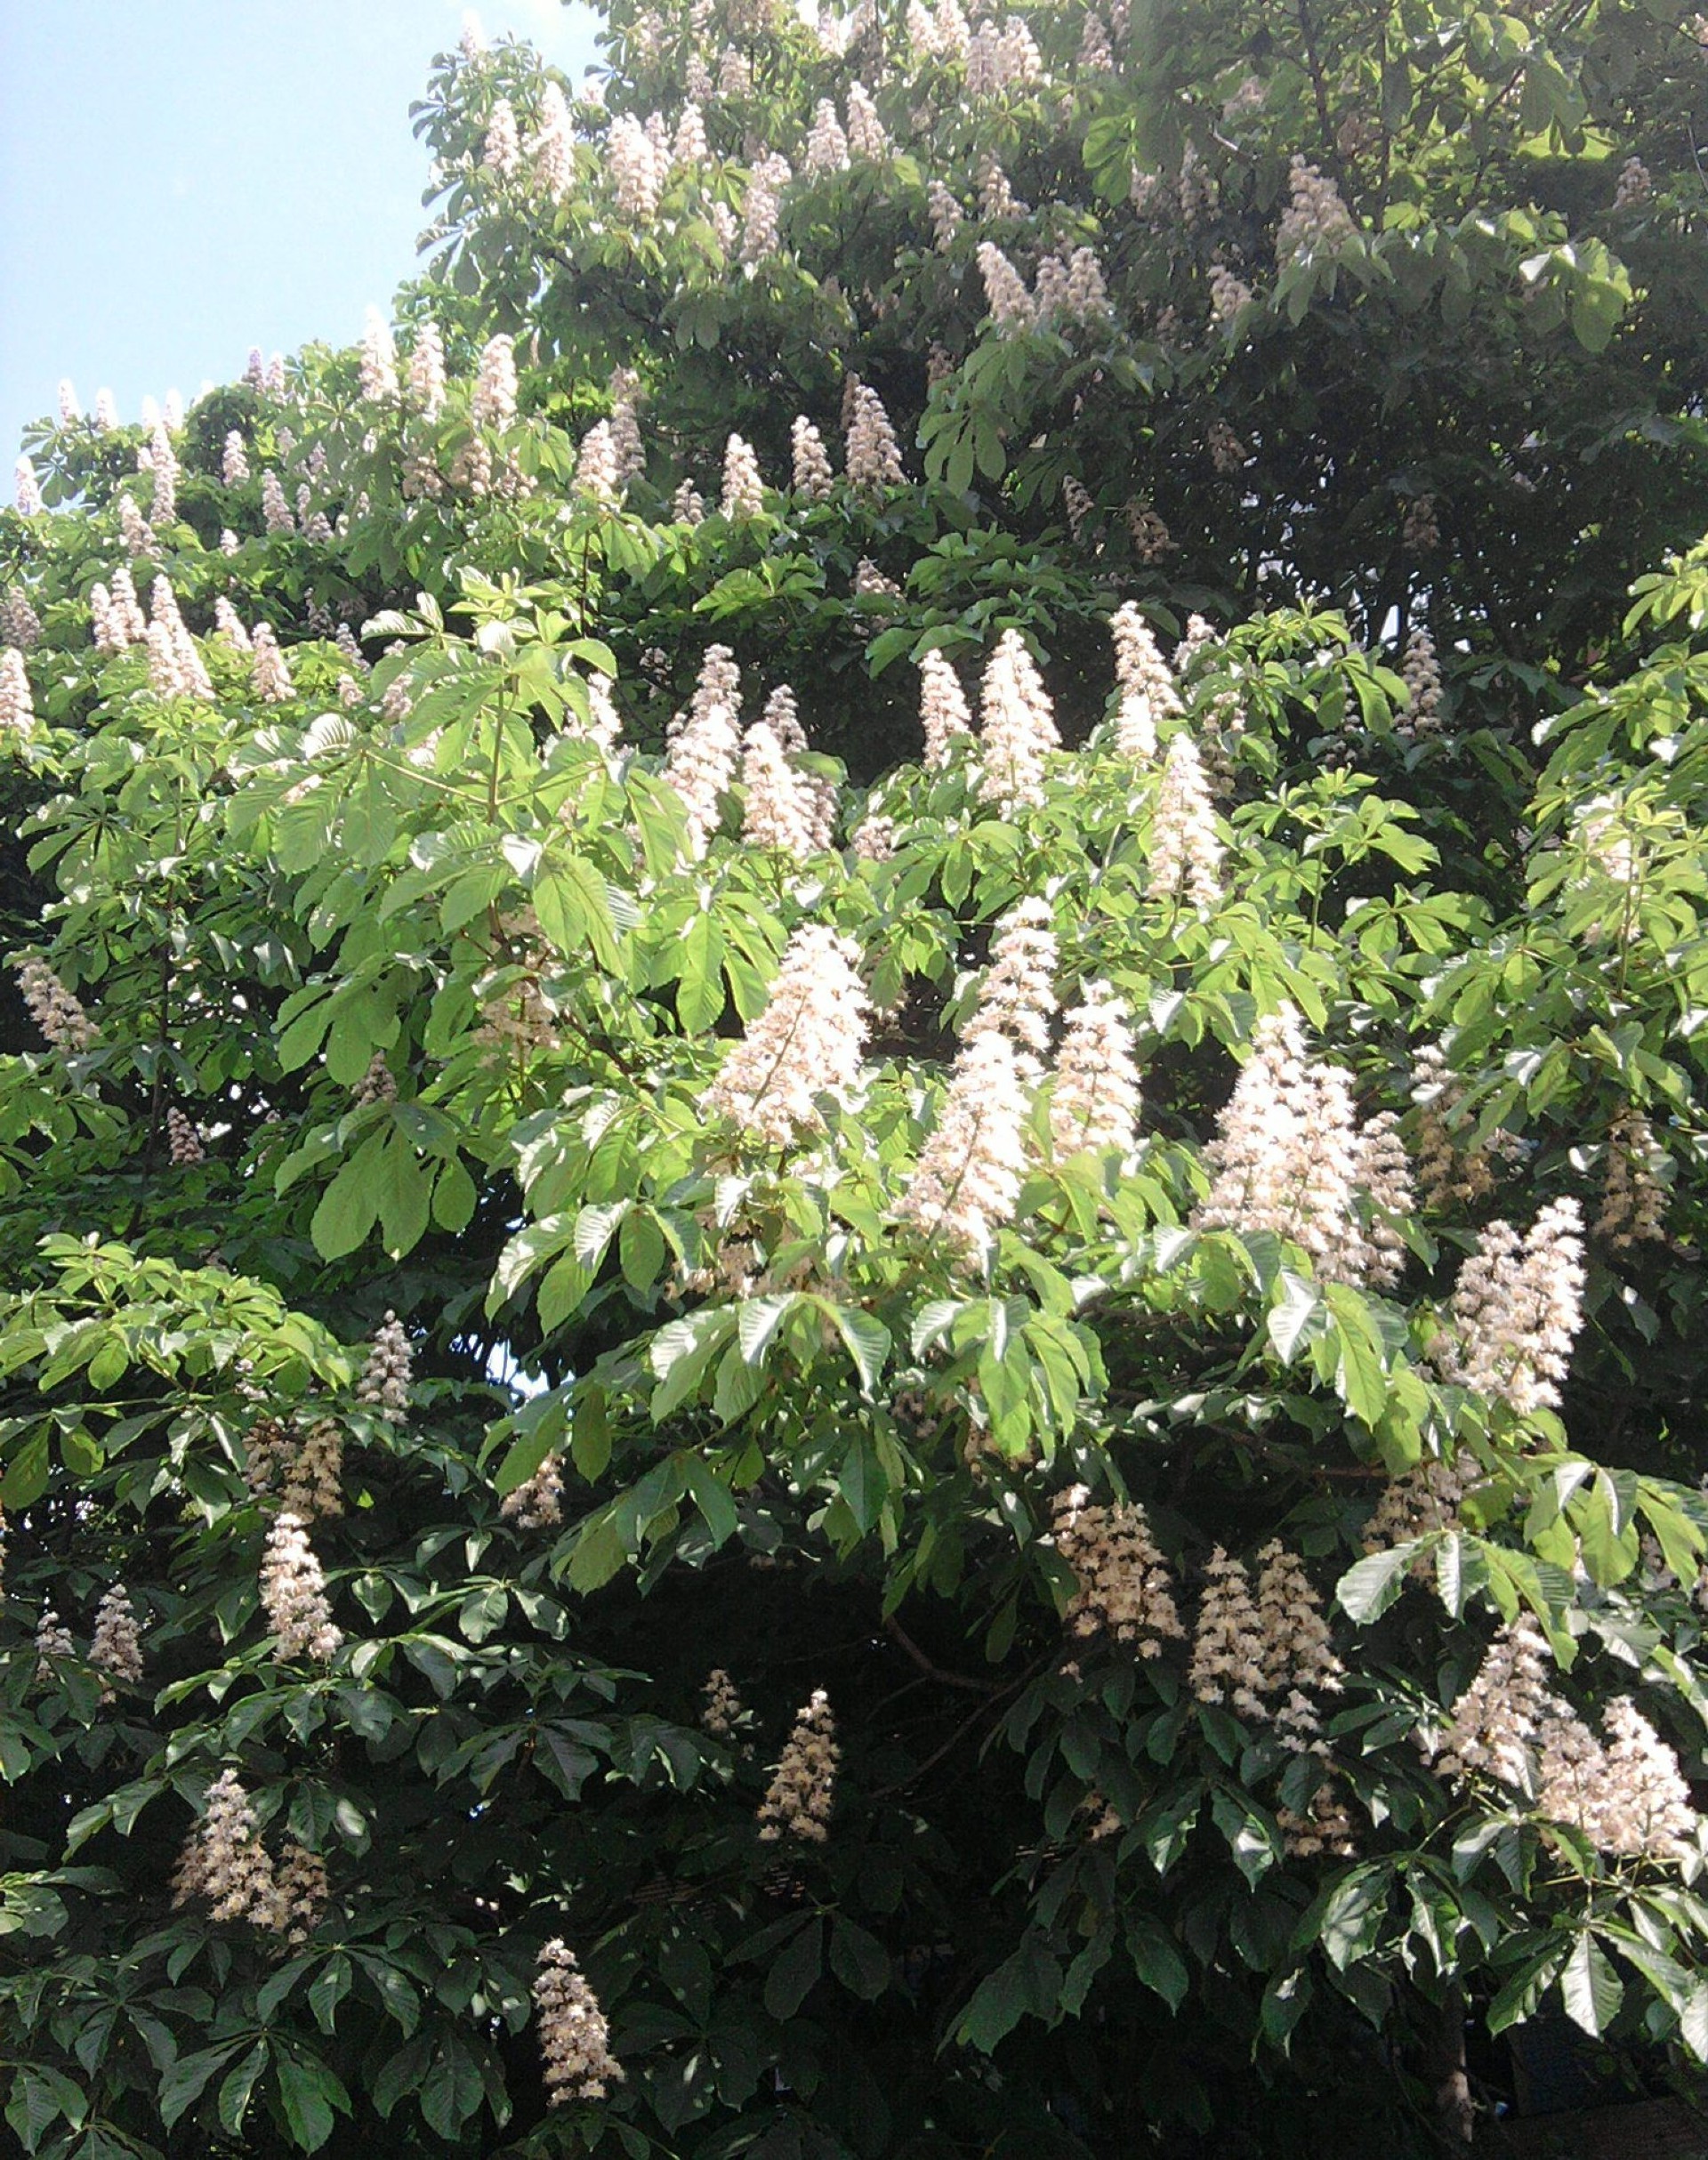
{"x":897,"y":1633}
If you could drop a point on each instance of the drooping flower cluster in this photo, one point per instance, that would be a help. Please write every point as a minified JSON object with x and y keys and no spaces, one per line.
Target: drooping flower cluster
{"x":1516,"y":1307}
{"x":574,"y":2038}
{"x":384,"y":1384}
{"x":1126,"y":1593}
{"x":1017,"y":727}
{"x":803,"y":1790}
{"x":1095,"y":1103}
{"x":294,"y":1594}
{"x":807,"y":1041}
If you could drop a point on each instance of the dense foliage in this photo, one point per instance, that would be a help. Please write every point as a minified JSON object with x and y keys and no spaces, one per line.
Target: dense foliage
{"x":953,"y":1413}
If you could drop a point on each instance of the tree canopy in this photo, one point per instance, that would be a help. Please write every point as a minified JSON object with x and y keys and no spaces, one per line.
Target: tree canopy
{"x":853,"y":1161}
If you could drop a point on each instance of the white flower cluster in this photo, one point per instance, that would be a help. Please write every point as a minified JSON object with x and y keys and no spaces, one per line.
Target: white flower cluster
{"x":426,"y":381}
{"x":624,"y":388}
{"x":1009,"y":304}
{"x":63,"y":1022}
{"x":502,"y":152}
{"x":379,"y":362}
{"x":1316,"y":219}
{"x":225,"y":1862}
{"x":1625,"y":1795}
{"x":1422,"y":678}
{"x":1290,"y":1157}
{"x":17,"y":706}
{"x":1017,"y":727}
{"x":826,"y":148}
{"x":1126,"y":1593}
{"x":1000,"y":59}
{"x":1227,"y":1663}
{"x":1517,"y":1304}
{"x":874,"y":457}
{"x":639,"y":166}
{"x":596,"y":475}
{"x":574,"y":2038}
{"x":744,"y":489}
{"x":273,"y":684}
{"x":759,"y":238}
{"x":494,"y":402}
{"x":20,"y":624}
{"x":118,"y":617}
{"x":865,"y":134}
{"x":812,"y":477}
{"x":1148,"y":690}
{"x":53,"y":1641}
{"x":134,"y":530}
{"x":1185,"y":848}
{"x":1095,"y":1103}
{"x":1634,"y":186}
{"x":384,"y":1383}
{"x":294,"y":1594}
{"x":1298,"y":1660}
{"x":803,"y":1790}
{"x":943,"y":710}
{"x":1426,"y":1499}
{"x":183,"y":1142}
{"x":537,"y":1504}
{"x":116,"y":1650}
{"x":1069,"y":288}
{"x":163,"y":465}
{"x":946,"y":214}
{"x":706,"y":745}
{"x":723,"y":1708}
{"x":553,"y":146}
{"x":276,"y":512}
{"x":1326,"y":1827}
{"x":175,"y":666}
{"x":1229,"y":296}
{"x":27,"y":490}
{"x":806,"y":1041}
{"x":1017,"y":996}
{"x":1421,"y":531}
{"x":968,"y":1177}
{"x":228,"y":623}
{"x":1633,"y":1199}
{"x":779,"y":809}
{"x":1446,"y":1171}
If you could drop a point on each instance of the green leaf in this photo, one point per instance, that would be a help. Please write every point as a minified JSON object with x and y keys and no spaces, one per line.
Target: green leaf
{"x":795,"y":1971}
{"x":1352,"y":1916}
{"x":1590,"y":1988}
{"x":1370,"y":1586}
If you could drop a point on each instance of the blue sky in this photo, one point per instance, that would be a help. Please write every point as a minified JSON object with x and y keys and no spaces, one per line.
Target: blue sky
{"x":182,"y":178}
